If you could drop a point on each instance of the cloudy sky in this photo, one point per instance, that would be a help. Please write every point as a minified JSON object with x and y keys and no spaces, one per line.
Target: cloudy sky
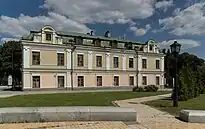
{"x":140,"y":20}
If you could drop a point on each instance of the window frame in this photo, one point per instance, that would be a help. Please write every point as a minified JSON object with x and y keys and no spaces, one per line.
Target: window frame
{"x":144,"y":82}
{"x":59,"y":77}
{"x":131,"y":64}
{"x":131,"y":80}
{"x":99,"y":78}
{"x":157,"y":64}
{"x":36,"y":78}
{"x":50,"y":37}
{"x":81,"y":81}
{"x":81,"y":60}
{"x":37,"y":55}
{"x":118,"y":81}
{"x":116,"y":62}
{"x":144,"y":64}
{"x":157,"y":80}
{"x":98,"y":63}
{"x":61,"y":59}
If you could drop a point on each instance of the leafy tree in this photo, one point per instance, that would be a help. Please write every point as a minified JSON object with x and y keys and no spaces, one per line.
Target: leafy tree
{"x":11,"y":60}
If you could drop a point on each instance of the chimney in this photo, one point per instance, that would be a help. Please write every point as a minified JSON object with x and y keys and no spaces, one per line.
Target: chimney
{"x":91,"y":33}
{"x":107,"y":34}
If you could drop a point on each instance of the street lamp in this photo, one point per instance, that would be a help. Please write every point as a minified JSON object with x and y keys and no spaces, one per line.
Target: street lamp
{"x":136,"y":51}
{"x":175,"y":49}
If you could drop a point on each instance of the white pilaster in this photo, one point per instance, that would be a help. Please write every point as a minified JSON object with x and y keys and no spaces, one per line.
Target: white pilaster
{"x":124,"y":62}
{"x":107,"y":61}
{"x":162,"y":64}
{"x":69,"y":58}
{"x":139,"y":62}
{"x":90,"y":59}
{"x":26,"y":57}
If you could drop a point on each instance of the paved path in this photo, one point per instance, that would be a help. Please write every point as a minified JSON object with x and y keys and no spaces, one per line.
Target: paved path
{"x":151,"y":118}
{"x":148,"y":118}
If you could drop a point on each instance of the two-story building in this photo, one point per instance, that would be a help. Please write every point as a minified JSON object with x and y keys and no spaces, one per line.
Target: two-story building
{"x":55,"y":59}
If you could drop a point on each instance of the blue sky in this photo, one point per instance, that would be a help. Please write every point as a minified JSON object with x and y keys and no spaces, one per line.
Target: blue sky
{"x":140,"y":20}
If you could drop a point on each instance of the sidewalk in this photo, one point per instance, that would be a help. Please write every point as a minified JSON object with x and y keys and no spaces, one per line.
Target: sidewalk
{"x":151,"y":118}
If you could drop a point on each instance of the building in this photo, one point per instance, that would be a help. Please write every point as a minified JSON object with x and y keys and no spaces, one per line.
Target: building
{"x":54,"y":59}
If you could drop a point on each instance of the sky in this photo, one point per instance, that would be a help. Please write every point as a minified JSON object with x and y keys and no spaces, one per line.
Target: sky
{"x":161,"y":20}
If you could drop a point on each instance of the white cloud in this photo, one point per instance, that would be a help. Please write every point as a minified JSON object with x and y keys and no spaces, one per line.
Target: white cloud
{"x":186,"y":43}
{"x":2,"y":40}
{"x":190,"y":21}
{"x":164,"y":4}
{"x":140,"y":31}
{"x":102,"y":11}
{"x":176,"y":11}
{"x":20,"y":26}
{"x":72,"y":15}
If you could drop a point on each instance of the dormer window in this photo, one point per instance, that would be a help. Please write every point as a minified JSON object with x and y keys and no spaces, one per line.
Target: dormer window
{"x":150,"y":47}
{"x":97,"y":42}
{"x":128,"y":46}
{"x":79,"y":40}
{"x":48,"y":36}
{"x":113,"y":44}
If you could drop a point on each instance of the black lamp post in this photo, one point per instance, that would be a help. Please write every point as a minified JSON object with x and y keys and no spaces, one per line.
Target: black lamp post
{"x":175,"y":49}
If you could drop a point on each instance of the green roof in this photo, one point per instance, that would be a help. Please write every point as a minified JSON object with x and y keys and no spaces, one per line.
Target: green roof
{"x":74,"y":34}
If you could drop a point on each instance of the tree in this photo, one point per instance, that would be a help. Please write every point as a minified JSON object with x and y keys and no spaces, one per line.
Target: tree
{"x":11,"y":60}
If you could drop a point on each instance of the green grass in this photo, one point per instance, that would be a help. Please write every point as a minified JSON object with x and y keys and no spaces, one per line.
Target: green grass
{"x":72,"y":99}
{"x":166,"y":105}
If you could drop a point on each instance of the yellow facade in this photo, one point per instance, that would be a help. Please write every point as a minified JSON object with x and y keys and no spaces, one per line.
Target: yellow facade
{"x":49,"y":75}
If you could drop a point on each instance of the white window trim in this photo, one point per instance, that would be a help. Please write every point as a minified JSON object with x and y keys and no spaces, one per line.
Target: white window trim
{"x":61,"y":52}
{"x":158,"y":59}
{"x":80,"y":53}
{"x":131,"y":57}
{"x":144,"y":58}
{"x":116,"y":56}
{"x":35,"y":74}
{"x":35,"y":50}
{"x":98,"y":54}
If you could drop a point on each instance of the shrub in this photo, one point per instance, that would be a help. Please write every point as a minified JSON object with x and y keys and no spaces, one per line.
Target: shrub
{"x":138,"y":89}
{"x":151,"y":88}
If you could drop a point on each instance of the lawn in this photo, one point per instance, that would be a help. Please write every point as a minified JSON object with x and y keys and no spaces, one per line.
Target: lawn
{"x":166,"y":105}
{"x":72,"y":99}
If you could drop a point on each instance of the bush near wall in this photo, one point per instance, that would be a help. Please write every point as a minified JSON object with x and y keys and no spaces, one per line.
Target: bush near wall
{"x":149,"y":88}
{"x":189,"y":84}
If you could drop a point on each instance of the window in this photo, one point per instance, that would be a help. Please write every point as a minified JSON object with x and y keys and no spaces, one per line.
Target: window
{"x":61,"y":82}
{"x":99,"y":61}
{"x":113,"y":44}
{"x":78,"y":40}
{"x":131,"y":81}
{"x":99,"y":80}
{"x":80,"y":81}
{"x":150,"y":47}
{"x":60,"y":59}
{"x":157,"y":64}
{"x":144,"y":63}
{"x":97,"y":42}
{"x":36,"y":58}
{"x":80,"y":60}
{"x":116,"y":62}
{"x":157,"y":80}
{"x":131,"y":63}
{"x":36,"y":81}
{"x":116,"y":81}
{"x":144,"y":80}
{"x":48,"y":37}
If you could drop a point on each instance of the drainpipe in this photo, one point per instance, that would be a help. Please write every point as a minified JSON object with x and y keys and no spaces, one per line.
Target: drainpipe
{"x":72,"y":50}
{"x":137,"y":71}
